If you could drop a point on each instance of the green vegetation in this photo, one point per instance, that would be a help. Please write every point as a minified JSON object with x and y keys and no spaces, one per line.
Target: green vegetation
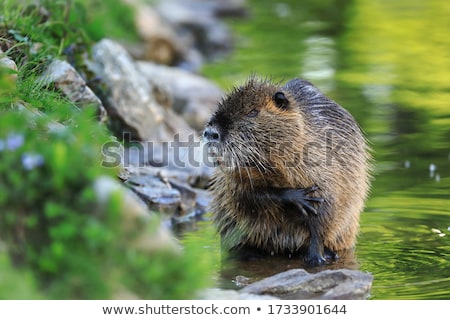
{"x":57,"y":241}
{"x":34,"y":34}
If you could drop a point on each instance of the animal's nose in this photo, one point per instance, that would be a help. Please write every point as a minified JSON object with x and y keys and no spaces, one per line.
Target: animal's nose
{"x":211,"y":134}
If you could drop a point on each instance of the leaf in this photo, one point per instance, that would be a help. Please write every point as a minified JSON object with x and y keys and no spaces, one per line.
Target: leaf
{"x":18,"y":37}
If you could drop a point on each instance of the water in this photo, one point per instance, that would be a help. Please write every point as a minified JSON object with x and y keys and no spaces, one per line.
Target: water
{"x":388,"y":63}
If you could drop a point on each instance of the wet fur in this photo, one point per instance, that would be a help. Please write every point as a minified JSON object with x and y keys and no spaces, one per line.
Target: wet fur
{"x":269,"y":151}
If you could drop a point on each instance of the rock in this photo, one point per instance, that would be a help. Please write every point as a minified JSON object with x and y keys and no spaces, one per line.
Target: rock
{"x":221,"y":294}
{"x":203,"y":200}
{"x":136,"y":218}
{"x":194,"y":204}
{"x":228,"y":8}
{"x":160,"y":38}
{"x":327,"y":284}
{"x":6,"y":62}
{"x":131,"y":102}
{"x":162,"y":191}
{"x":159,"y":196}
{"x":183,"y":33}
{"x":168,"y":191}
{"x":33,"y":114}
{"x":194,"y":97}
{"x":66,"y":79}
{"x":241,"y":281}
{"x":122,"y":293}
{"x":161,"y":43}
{"x":197,"y":22}
{"x":178,"y":159}
{"x":188,"y":197}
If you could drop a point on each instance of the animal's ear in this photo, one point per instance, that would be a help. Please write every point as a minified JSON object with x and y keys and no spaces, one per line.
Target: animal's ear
{"x":280,"y":100}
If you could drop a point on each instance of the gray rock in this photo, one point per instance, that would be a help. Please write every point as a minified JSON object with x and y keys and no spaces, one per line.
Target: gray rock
{"x":195,"y":97}
{"x":197,"y":21}
{"x":241,"y":281}
{"x":8,"y":63}
{"x":188,"y":197}
{"x":228,"y":8}
{"x":66,"y":79}
{"x":179,"y":159}
{"x":135,"y":218}
{"x":193,"y":178}
{"x":221,"y":294}
{"x":33,"y":114}
{"x":194,"y":204}
{"x":158,"y":196}
{"x":161,"y":44}
{"x":327,"y":284}
{"x":203,"y":200}
{"x":131,"y":101}
{"x":162,"y":190}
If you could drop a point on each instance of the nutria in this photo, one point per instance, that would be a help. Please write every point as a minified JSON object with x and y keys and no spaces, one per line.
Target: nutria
{"x":293,"y":171}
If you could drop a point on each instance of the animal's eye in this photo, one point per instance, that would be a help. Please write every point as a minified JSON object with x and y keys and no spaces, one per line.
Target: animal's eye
{"x":280,"y":100}
{"x":253,"y":113}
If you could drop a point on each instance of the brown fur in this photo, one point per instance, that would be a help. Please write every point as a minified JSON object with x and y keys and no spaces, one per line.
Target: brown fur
{"x":313,"y":142}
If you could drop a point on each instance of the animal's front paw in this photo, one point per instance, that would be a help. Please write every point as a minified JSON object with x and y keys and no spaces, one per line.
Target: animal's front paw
{"x":301,"y":198}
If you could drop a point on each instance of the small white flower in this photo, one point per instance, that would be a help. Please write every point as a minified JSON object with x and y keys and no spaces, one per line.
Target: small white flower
{"x":432,"y":167}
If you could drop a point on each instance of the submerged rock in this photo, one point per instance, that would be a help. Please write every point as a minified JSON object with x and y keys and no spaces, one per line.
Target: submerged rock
{"x":328,"y":284}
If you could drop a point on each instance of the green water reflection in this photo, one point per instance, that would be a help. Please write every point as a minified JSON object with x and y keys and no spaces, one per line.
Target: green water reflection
{"x":388,"y":63}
